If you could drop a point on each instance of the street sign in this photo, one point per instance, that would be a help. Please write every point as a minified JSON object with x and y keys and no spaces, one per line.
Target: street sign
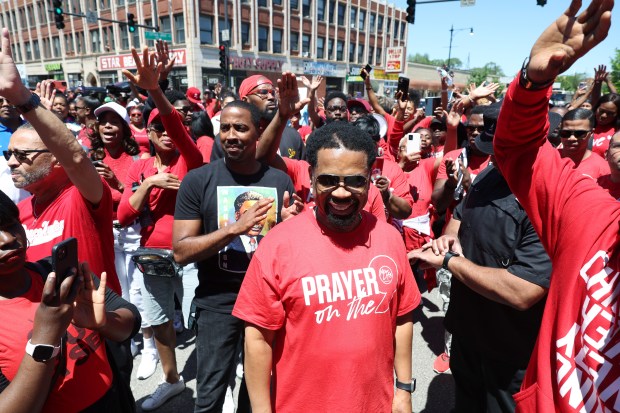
{"x":225,"y":35}
{"x":91,"y":17}
{"x":465,"y":3}
{"x":158,"y":36}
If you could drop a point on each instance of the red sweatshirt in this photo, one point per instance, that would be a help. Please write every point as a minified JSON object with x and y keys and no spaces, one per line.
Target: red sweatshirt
{"x":575,"y":365}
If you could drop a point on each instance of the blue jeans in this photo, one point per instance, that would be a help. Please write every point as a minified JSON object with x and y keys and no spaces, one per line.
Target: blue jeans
{"x":217,"y":336}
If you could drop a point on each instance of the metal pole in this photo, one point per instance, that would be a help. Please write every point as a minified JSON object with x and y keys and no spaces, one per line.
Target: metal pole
{"x":227,"y":73}
{"x":450,"y":48}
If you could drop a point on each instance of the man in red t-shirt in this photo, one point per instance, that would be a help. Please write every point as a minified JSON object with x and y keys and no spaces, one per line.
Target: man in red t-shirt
{"x":611,"y":182}
{"x":351,"y":309}
{"x":575,"y":364}
{"x":575,"y":133}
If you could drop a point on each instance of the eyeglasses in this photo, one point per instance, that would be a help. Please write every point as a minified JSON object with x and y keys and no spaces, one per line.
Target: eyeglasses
{"x":22,"y":156}
{"x":336,"y":108}
{"x":473,"y":128}
{"x":157,"y":127}
{"x":81,"y":107}
{"x":136,"y":115}
{"x":579,"y":134}
{"x":184,"y":109}
{"x":353,"y":183}
{"x":264,"y":93}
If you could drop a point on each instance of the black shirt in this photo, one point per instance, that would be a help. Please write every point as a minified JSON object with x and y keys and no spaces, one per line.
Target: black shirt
{"x":495,"y":232}
{"x":291,"y":146}
{"x":209,"y":194}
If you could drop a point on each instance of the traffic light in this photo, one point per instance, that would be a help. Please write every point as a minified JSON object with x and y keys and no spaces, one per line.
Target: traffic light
{"x":223,"y":59}
{"x":58,"y":14}
{"x":411,"y":11}
{"x":541,"y":3}
{"x":131,"y":22}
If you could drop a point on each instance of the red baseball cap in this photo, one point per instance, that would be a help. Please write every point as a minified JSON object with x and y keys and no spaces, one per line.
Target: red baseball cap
{"x":154,"y":116}
{"x":193,"y":94}
{"x":252,"y":83}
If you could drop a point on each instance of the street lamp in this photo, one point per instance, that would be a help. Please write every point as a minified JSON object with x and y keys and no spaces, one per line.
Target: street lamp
{"x":452,"y":30}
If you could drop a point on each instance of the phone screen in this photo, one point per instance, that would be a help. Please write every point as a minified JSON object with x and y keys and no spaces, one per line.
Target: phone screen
{"x":403,"y":86}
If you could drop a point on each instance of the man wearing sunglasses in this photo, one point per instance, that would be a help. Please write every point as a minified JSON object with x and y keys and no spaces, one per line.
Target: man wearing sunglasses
{"x":9,"y":122}
{"x":575,"y":134}
{"x":344,"y":300}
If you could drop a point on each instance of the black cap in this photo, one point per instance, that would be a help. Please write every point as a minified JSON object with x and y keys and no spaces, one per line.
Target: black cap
{"x":484,"y":141}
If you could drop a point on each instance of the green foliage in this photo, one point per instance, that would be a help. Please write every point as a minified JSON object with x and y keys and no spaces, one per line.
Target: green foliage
{"x":424,"y":59}
{"x":571,"y":82}
{"x":490,"y":72}
{"x":615,"y":69}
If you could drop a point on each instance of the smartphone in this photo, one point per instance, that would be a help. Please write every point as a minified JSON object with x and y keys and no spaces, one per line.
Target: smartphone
{"x":403,"y":86}
{"x":432,"y":104}
{"x":64,"y":258}
{"x":377,"y":169}
{"x":413,"y":142}
{"x":368,"y":68}
{"x":60,"y":85}
{"x":97,"y":163}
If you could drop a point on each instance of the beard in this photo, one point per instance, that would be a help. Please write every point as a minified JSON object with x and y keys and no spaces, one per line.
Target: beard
{"x":343,"y":221}
{"x":269,"y":114}
{"x":32,"y":177}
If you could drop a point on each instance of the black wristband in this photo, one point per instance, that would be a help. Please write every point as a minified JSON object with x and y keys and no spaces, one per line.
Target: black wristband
{"x":408,"y":387}
{"x":448,"y":257}
{"x":528,"y":84}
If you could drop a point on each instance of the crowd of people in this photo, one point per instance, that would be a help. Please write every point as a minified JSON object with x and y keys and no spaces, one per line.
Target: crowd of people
{"x":287,"y":247}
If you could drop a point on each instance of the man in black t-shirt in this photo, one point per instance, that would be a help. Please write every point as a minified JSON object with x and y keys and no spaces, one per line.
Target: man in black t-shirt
{"x":217,"y":205}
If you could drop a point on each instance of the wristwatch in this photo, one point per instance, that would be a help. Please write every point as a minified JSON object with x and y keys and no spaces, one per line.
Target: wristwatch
{"x":42,"y":352}
{"x":447,"y":258}
{"x":528,"y":84}
{"x":410,"y":387}
{"x":32,"y":103}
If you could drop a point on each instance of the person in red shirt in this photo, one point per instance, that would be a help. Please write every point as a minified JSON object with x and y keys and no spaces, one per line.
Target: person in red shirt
{"x":156,"y":181}
{"x":138,"y":129}
{"x":611,"y":182}
{"x":351,"y":309}
{"x":574,"y":365}
{"x":607,"y":113}
{"x":575,"y":133}
{"x":193,"y":95}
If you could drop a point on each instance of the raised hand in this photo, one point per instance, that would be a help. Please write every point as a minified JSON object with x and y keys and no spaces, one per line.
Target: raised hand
{"x":568,"y":38}
{"x":454,"y":117}
{"x":11,"y":86}
{"x":314,"y":84}
{"x":600,"y":74}
{"x":163,"y":57}
{"x":288,"y":96}
{"x":89,"y":310}
{"x":483,"y":91}
{"x":291,"y":206}
{"x":46,"y":92}
{"x":147,"y":70}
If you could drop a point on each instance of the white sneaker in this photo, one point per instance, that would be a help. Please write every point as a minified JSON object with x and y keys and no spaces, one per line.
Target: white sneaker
{"x":229,"y":402}
{"x":148,"y":364}
{"x":163,"y":393}
{"x":134,"y":349}
{"x":178,"y":321}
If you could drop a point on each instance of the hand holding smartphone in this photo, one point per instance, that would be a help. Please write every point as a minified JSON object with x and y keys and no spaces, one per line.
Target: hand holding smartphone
{"x":366,"y":71}
{"x":403,"y":87}
{"x":64,"y":258}
{"x":413,"y":143}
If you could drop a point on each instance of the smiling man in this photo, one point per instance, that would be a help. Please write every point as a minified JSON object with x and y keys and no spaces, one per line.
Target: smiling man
{"x":212,"y":212}
{"x":344,"y":300}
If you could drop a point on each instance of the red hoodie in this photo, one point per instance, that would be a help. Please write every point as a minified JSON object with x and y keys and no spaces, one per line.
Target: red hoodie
{"x":575,"y":366}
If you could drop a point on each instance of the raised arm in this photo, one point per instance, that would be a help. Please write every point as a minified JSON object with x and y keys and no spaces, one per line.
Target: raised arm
{"x":372,"y":97}
{"x":312,"y":86}
{"x":53,"y":132}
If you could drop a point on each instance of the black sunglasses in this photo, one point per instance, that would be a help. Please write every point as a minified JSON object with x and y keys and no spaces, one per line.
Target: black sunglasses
{"x":579,"y":134}
{"x":473,"y":128}
{"x":22,"y":156}
{"x":184,"y":109}
{"x":353,"y":183}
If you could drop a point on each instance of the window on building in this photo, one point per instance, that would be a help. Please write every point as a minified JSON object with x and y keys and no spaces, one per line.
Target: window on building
{"x":389,"y":25}
{"x":179,"y":28}
{"x":379,"y":60}
{"x":104,"y":4}
{"x":332,"y":11}
{"x":95,"y":41}
{"x":380,"y":23}
{"x":341,"y":10}
{"x":307,"y":6}
{"x":135,"y":39}
{"x":305,"y":44}
{"x":22,"y":18}
{"x":47,"y":49}
{"x":320,"y":9}
{"x":28,"y":51}
{"x":16,"y":53}
{"x":245,"y":33}
{"x":206,"y":29}
{"x":56,"y":46}
{"x":353,"y":19}
{"x":93,"y":5}
{"x":35,"y":49}
{"x":360,"y":53}
{"x":362,"y":19}
{"x":320,"y":48}
{"x":294,"y":4}
{"x":396,"y":24}
{"x":31,"y":20}
{"x":340,"y":50}
{"x":402,"y":30}
{"x":277,"y":2}
{"x":371,"y":54}
{"x":262,"y":3}
{"x":81,"y":44}
{"x":330,"y":49}
{"x":294,"y":42}
{"x":120,"y":2}
{"x":263,"y":38}
{"x":373,"y":17}
{"x":277,"y":40}
{"x":351,"y":52}
{"x":124,"y":39}
{"x":223,"y":25}
{"x":164,"y":24}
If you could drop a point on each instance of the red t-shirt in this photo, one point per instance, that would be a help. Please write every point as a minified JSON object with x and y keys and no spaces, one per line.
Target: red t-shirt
{"x":398,"y":180}
{"x":395,"y":133}
{"x":420,"y":182}
{"x":298,"y":172}
{"x":161,"y":201}
{"x":70,"y":215}
{"x":338,"y":312}
{"x":88,"y":375}
{"x":142,"y":137}
{"x":593,"y":166}
{"x":304,"y":131}
{"x":205,"y":146}
{"x":120,"y":166}
{"x":601,"y":137}
{"x":575,"y":365}
{"x":83,"y":136}
{"x":613,"y":188}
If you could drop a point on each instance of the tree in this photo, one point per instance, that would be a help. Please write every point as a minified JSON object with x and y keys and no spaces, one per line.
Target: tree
{"x":489,"y":72}
{"x":571,"y":82}
{"x":615,"y":69}
{"x":424,"y":59}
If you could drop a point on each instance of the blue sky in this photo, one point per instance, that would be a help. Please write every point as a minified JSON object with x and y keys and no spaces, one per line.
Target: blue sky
{"x":504,"y":32}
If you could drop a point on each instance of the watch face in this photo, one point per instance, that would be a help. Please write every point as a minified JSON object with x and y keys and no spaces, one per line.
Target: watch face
{"x":42,"y":353}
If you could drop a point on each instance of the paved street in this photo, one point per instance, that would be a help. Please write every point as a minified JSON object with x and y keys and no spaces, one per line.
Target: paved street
{"x":434,"y":393}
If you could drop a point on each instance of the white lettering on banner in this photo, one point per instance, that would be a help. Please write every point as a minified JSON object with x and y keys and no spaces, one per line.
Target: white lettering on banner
{"x":126,"y":61}
{"x":46,"y":233}
{"x":588,"y":367}
{"x":360,"y":287}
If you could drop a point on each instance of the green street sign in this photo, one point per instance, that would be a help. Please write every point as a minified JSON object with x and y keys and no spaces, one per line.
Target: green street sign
{"x":158,"y":36}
